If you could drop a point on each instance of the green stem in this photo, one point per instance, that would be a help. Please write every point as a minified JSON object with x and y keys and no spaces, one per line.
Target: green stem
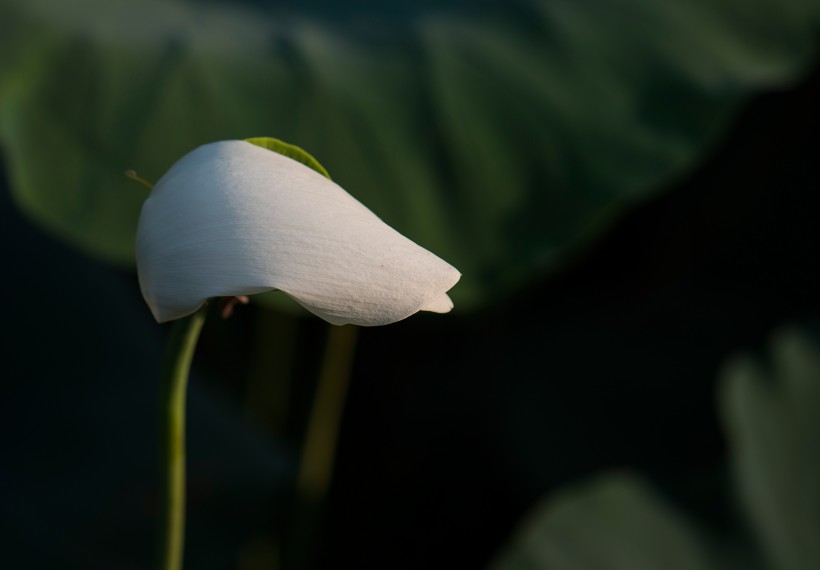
{"x":319,"y":448}
{"x":319,"y":452}
{"x":174,"y":382}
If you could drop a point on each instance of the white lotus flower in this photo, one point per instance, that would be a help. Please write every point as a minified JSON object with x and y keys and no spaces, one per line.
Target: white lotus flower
{"x":231,"y":218}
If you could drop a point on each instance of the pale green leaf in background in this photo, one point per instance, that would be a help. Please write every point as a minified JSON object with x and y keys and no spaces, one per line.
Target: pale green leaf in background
{"x":502,"y":137}
{"x":612,"y":523}
{"x":772,"y":414}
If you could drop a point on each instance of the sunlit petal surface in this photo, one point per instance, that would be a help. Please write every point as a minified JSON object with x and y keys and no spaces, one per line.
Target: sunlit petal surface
{"x":231,"y":218}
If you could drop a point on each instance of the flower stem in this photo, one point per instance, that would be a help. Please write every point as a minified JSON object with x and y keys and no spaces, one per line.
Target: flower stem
{"x":319,"y":448}
{"x":174,"y":382}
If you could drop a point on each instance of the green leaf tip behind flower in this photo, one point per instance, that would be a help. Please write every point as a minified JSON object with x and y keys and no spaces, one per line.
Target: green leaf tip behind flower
{"x":291,"y":151}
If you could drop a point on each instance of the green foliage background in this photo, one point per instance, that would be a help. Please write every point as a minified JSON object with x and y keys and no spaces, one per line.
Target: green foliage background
{"x":628,"y":186}
{"x":503,"y":137}
{"x":771,"y":413}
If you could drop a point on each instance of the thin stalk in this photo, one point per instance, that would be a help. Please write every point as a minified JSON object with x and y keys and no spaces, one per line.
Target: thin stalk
{"x":174,"y":382}
{"x":319,"y":449}
{"x":319,"y":452}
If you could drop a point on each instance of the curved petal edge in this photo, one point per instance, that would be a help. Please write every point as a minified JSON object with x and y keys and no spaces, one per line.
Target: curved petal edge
{"x":231,"y":218}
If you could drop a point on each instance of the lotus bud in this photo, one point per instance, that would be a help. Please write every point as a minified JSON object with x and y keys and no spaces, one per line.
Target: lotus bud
{"x":232,"y":218}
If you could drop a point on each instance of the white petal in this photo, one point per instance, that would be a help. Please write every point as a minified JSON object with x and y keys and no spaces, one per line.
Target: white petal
{"x":231,"y":218}
{"x":442,"y":304}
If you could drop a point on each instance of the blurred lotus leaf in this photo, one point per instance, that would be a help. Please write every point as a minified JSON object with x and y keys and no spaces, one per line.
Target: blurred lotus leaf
{"x":613,"y":523}
{"x":502,"y":137}
{"x":772,"y":414}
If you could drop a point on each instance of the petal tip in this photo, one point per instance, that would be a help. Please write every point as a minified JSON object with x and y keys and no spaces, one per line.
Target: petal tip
{"x":441,"y":304}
